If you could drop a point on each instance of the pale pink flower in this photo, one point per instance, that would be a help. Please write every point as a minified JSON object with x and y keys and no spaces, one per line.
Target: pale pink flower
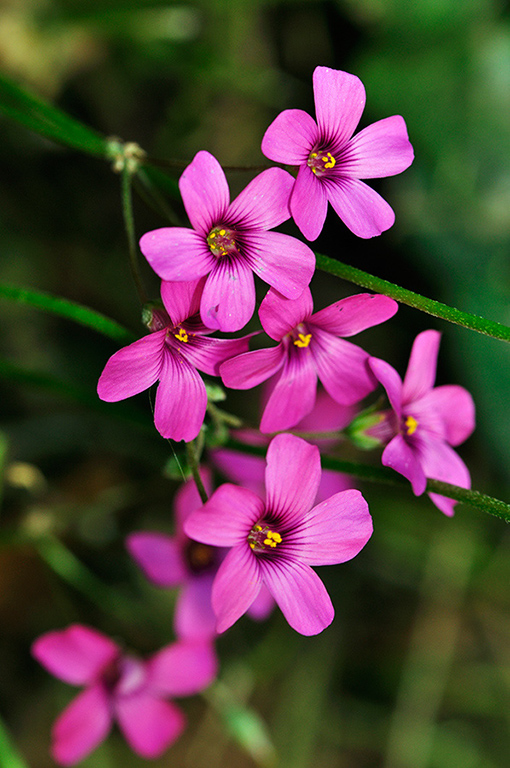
{"x":331,"y":163}
{"x":229,"y":242}
{"x":121,"y":688}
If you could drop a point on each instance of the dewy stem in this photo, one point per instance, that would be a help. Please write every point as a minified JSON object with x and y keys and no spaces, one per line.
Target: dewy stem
{"x":191,"y":455}
{"x":404,"y":296}
{"x":129,"y":224}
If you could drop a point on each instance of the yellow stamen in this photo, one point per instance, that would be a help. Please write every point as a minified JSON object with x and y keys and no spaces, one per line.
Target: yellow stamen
{"x":331,"y":162}
{"x":303,"y":340}
{"x":411,"y":425}
{"x":182,"y":335}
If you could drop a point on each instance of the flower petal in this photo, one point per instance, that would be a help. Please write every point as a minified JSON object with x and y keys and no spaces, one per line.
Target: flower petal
{"x":421,"y":371}
{"x":76,"y":655}
{"x":132,"y":369}
{"x":290,"y":138}
{"x":205,"y":192}
{"x":333,"y":482}
{"x":341,"y":366}
{"x":300,"y":593}
{"x":441,"y":462}
{"x":252,"y":368}
{"x":262,"y":606}
{"x":391,"y":381}
{"x":355,"y":313}
{"x":282,"y":261}
{"x":264,"y":202}
{"x":181,"y":400}
{"x":182,"y":668}
{"x":208,"y":354}
{"x":236,"y":586}
{"x":182,"y":299}
{"x":293,"y":475}
{"x":360,"y":207}
{"x":158,"y":556}
{"x":83,"y":725}
{"x":194,"y":617}
{"x":455,"y":406}
{"x":403,"y":459}
{"x":339,"y":103}
{"x":241,"y":468}
{"x":149,"y":725}
{"x":177,"y":254}
{"x":382,"y":149}
{"x":293,"y":395}
{"x":309,"y":203}
{"x":188,"y":498}
{"x":335,"y":530}
{"x":228,"y":300}
{"x":279,"y":316}
{"x":226,"y":518}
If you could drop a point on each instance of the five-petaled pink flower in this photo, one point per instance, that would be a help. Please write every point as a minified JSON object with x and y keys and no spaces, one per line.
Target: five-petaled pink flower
{"x":229,"y":242}
{"x":122,"y":688}
{"x":331,"y":163}
{"x":309,"y":348}
{"x":177,"y":346}
{"x":425,"y":422}
{"x":274,"y":542}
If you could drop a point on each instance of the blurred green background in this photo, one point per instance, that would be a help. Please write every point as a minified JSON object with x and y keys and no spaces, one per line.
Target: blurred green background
{"x":415,"y":670}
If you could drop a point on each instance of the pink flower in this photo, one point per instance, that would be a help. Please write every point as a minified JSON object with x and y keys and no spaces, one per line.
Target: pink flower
{"x":121,"y":688}
{"x":331,"y":163}
{"x":309,"y":348}
{"x":425,"y":422}
{"x":274,"y":543}
{"x":229,"y":242}
{"x":171,"y":354}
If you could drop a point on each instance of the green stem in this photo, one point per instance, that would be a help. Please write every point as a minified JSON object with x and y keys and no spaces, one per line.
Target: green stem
{"x":129,"y":224}
{"x":402,"y":295}
{"x":9,"y":755}
{"x":193,"y":464}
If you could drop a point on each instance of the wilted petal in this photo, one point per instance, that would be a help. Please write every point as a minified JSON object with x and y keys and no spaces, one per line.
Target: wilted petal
{"x":177,"y":254}
{"x":339,"y":103}
{"x":441,"y":462}
{"x":360,"y":207}
{"x":355,"y":313}
{"x":293,"y":474}
{"x":194,"y":617}
{"x":252,"y":368}
{"x":456,"y":409}
{"x":236,"y":586}
{"x":204,"y":191}
{"x":149,"y":725}
{"x":132,"y":369}
{"x":390,"y":380}
{"x":76,"y":655}
{"x":226,"y":518}
{"x":83,"y":725}
{"x":181,"y":400}
{"x":290,"y":138}
{"x":207,"y":354}
{"x":182,"y":299}
{"x":183,"y":668}
{"x":309,"y":203}
{"x":403,"y":459}
{"x":300,"y":593}
{"x":381,"y":149}
{"x":228,"y":300}
{"x":341,"y":366}
{"x":421,"y":371}
{"x":282,"y":261}
{"x":335,"y":530}
{"x":293,"y":395}
{"x":279,"y":315}
{"x":158,"y":556}
{"x":264,"y":202}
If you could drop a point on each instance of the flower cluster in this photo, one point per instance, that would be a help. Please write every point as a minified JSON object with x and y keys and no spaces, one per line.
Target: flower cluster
{"x":254,"y":542}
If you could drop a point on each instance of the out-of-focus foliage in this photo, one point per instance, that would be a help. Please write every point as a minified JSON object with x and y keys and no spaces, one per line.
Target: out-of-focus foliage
{"x":414,"y":672}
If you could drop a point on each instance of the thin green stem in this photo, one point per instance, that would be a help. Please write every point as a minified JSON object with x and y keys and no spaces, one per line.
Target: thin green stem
{"x":129,"y":224}
{"x":9,"y":755}
{"x":193,"y":464}
{"x":402,"y":295}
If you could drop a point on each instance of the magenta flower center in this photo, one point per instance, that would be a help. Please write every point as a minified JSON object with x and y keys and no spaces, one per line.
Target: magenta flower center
{"x":199,"y":557}
{"x":300,"y":337}
{"x":320,"y":162}
{"x":409,"y":425}
{"x":221,"y":241}
{"x":180,"y":334}
{"x":262,"y":538}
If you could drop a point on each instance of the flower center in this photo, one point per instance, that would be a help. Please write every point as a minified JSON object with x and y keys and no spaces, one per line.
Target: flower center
{"x":300,"y":337}
{"x":221,"y":241}
{"x":261,"y":538}
{"x":321,"y":162}
{"x":182,"y":335}
{"x":410,"y":425}
{"x":199,"y":557}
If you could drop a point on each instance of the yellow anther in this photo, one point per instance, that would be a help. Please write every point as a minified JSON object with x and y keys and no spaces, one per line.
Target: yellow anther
{"x":269,"y":543}
{"x":252,"y":545}
{"x":303,"y":340}
{"x":257,"y":527}
{"x":314,"y":154}
{"x":223,"y":232}
{"x":411,"y":425}
{"x":182,"y":335}
{"x":213,"y":234}
{"x":275,"y":536}
{"x":331,"y":162}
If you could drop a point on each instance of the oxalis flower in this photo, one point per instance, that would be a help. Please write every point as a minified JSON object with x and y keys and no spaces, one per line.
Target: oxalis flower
{"x":122,"y":688}
{"x":274,"y":542}
{"x":425,"y":422}
{"x":172,"y":353}
{"x":309,"y":348}
{"x":229,"y":242}
{"x":331,"y":163}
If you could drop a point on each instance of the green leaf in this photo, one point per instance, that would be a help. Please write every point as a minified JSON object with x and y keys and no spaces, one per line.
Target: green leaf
{"x":9,"y":755}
